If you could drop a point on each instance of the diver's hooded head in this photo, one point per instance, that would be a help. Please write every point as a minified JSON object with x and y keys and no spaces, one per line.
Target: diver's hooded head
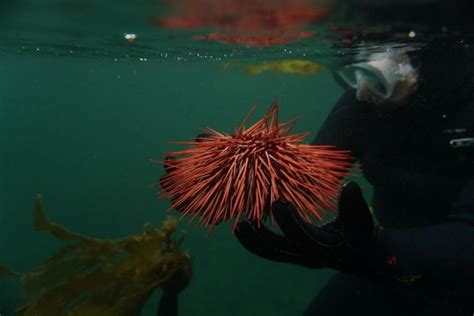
{"x":384,"y":79}
{"x":453,"y":14}
{"x":440,"y":67}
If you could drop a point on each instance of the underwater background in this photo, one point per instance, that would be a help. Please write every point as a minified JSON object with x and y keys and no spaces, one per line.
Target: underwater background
{"x":82,"y":112}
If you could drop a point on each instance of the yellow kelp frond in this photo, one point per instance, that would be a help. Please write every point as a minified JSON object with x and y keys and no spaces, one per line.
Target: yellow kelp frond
{"x":286,"y":66}
{"x":6,"y":272}
{"x":95,"y":277}
{"x":169,"y":225}
{"x":42,"y":223}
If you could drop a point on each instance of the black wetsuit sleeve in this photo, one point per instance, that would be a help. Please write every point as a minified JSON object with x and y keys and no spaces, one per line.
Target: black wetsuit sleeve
{"x":344,"y":125}
{"x":168,"y":304}
{"x":438,"y":257}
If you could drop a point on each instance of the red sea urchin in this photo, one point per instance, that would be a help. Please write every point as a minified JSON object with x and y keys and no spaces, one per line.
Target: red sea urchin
{"x":237,"y":176}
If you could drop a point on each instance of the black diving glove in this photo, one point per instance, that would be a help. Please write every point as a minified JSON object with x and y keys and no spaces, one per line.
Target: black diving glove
{"x":168,"y":305}
{"x":347,"y":243}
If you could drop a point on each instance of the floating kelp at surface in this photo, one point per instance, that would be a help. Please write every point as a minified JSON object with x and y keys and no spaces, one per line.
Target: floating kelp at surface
{"x":287,"y":66}
{"x":298,"y":67}
{"x":97,"y":277}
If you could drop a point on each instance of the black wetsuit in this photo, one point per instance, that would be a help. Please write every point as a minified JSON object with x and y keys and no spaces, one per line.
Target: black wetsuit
{"x":423,"y":197}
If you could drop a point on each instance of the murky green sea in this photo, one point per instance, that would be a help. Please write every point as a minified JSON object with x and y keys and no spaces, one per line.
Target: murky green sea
{"x":82,"y":112}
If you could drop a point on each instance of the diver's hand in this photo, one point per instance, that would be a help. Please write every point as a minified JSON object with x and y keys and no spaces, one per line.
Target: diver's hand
{"x":344,"y":244}
{"x":168,"y":305}
{"x":178,"y":282}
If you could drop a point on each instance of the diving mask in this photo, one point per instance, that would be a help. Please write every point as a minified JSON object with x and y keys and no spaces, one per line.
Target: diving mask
{"x":385,"y":79}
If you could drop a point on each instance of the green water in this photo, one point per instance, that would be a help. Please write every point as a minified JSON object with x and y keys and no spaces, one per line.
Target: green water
{"x":80,"y":122}
{"x":82,"y":131}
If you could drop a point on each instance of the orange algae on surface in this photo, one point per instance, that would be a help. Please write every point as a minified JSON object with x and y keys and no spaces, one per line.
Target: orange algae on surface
{"x":97,"y":277}
{"x":255,"y":40}
{"x":246,"y":22}
{"x":237,"y":176}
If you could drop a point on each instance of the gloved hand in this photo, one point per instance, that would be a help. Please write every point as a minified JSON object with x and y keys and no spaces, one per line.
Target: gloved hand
{"x":178,"y":282}
{"x":168,"y":305}
{"x":346,"y":244}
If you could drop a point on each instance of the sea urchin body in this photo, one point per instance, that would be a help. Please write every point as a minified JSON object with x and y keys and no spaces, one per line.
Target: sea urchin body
{"x":237,"y":176}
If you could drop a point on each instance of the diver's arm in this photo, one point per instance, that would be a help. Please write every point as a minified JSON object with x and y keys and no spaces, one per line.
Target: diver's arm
{"x":440,"y":254}
{"x":168,"y":304}
{"x":344,"y":125}
{"x":431,"y":257}
{"x":417,"y":254}
{"x":169,"y":299}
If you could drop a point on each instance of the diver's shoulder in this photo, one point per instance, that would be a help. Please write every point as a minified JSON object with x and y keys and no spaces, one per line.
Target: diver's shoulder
{"x":348,"y":102}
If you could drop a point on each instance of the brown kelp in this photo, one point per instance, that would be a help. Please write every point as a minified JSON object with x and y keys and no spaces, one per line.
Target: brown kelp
{"x":98,"y":277}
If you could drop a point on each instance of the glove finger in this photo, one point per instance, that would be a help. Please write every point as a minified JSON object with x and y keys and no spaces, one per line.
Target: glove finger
{"x":293,"y":226}
{"x":264,"y":243}
{"x":308,"y":237}
{"x":354,"y":214}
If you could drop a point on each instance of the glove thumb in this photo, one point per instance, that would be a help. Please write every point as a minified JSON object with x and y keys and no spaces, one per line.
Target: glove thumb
{"x":355,"y":216}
